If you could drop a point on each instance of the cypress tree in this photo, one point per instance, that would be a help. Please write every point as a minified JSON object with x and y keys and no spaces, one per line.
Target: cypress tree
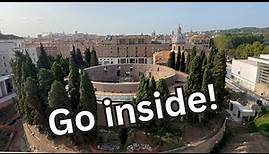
{"x":123,"y":136}
{"x":193,"y":53}
{"x":43,"y":59}
{"x":146,"y":90}
{"x":139,"y":94}
{"x":57,"y":71}
{"x":162,"y":87}
{"x":194,"y":79}
{"x":34,"y":113}
{"x":193,"y":83}
{"x":57,"y":98}
{"x":187,"y":70}
{"x":45,"y":79}
{"x":219,"y":73}
{"x":28,"y":68}
{"x":204,"y":61}
{"x":87,"y":54}
{"x":152,"y":85}
{"x":171,"y":60}
{"x":162,"y":125}
{"x":73,"y":84}
{"x":178,"y":62}
{"x":79,"y":59}
{"x":87,"y":102}
{"x":94,"y":59}
{"x":182,"y":62}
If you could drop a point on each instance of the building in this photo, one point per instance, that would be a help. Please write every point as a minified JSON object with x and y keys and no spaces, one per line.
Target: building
{"x":120,"y":82}
{"x":244,"y":113}
{"x":252,"y":74}
{"x":127,"y":49}
{"x":186,"y":42}
{"x":7,"y":50}
{"x":245,"y":73}
{"x":200,"y":41}
{"x":6,"y":86}
{"x":161,"y":58}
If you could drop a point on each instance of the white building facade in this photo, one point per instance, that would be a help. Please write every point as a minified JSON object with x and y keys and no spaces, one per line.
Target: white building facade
{"x":239,"y":112}
{"x":7,"y":49}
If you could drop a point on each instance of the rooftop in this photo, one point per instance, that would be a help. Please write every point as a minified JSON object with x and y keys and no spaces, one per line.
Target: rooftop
{"x":5,"y":77}
{"x":248,"y":61}
{"x":241,"y":107}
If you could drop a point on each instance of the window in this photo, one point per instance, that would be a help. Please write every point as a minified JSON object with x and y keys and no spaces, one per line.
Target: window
{"x":5,"y":65}
{"x":238,"y":115}
{"x":123,"y":61}
{"x":132,"y":60}
{"x":141,"y":60}
{"x":3,"y":57}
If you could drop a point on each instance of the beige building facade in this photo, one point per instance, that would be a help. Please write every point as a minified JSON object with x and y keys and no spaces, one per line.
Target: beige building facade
{"x":127,"y":49}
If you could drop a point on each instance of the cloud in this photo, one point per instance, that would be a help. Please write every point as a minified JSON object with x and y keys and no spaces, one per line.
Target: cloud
{"x":39,"y":19}
{"x":24,"y":18}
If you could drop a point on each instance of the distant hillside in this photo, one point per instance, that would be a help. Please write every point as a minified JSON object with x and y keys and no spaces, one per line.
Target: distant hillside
{"x":247,"y":30}
{"x":9,"y":37}
{"x":242,"y":30}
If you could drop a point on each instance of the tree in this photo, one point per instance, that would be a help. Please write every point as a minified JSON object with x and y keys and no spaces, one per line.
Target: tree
{"x":28,"y":68}
{"x":193,"y":53}
{"x":45,"y":79}
{"x":194,"y":79}
{"x":57,"y":98}
{"x":171,"y":60}
{"x":43,"y":60}
{"x":34,"y":113}
{"x":87,"y":54}
{"x":207,"y":79}
{"x":94,"y":59}
{"x":160,"y":127}
{"x":87,"y":102}
{"x":123,"y":136}
{"x":178,"y":62}
{"x":140,"y":92}
{"x":73,"y":84}
{"x":204,"y":61}
{"x":219,"y":73}
{"x":182,"y":62}
{"x":193,"y":82}
{"x":162,"y":88}
{"x":188,"y":63}
{"x":57,"y":72}
{"x":152,"y":85}
{"x":79,"y":59}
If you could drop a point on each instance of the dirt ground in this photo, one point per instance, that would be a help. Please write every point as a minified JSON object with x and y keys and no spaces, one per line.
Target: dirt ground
{"x":248,"y":142}
{"x":19,"y":142}
{"x":243,"y":141}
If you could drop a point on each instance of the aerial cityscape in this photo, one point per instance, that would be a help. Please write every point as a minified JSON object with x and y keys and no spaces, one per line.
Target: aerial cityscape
{"x":128,"y":53}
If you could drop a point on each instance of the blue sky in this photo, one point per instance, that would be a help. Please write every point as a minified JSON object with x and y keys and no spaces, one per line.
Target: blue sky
{"x":128,"y":18}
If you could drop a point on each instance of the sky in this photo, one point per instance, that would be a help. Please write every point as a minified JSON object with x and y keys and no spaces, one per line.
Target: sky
{"x":30,"y":18}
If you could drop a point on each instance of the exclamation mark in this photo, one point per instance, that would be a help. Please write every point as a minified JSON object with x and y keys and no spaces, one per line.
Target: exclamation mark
{"x":212,"y":96}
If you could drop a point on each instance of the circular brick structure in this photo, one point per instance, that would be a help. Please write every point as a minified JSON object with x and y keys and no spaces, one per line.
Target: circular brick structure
{"x":119,"y":82}
{"x":124,"y":78}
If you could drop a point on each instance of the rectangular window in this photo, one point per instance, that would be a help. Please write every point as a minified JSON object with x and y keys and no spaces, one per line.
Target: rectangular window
{"x":132,"y":60}
{"x":123,"y":61}
{"x":141,"y":60}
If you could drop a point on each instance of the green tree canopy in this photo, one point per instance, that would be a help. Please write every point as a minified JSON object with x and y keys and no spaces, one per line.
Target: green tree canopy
{"x":171,"y":60}
{"x":43,"y":59}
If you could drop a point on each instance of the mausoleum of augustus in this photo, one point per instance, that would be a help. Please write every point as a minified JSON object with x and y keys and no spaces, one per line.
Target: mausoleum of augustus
{"x":119,"y":82}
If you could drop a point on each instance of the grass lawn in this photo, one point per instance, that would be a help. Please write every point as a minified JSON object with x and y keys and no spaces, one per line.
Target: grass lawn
{"x":262,"y":123}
